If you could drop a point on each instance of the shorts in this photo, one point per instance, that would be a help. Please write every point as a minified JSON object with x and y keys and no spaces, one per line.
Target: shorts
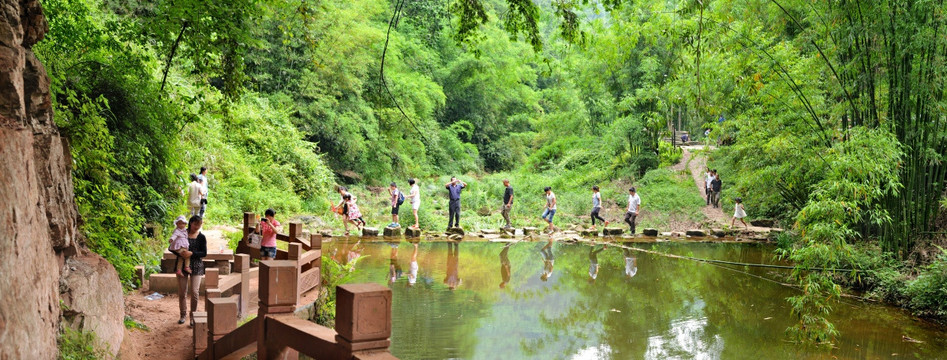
{"x":267,"y":251}
{"x":416,"y":205}
{"x":394,"y":209}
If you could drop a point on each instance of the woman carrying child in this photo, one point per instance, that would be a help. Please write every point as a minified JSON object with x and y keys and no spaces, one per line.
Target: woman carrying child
{"x":178,"y":246}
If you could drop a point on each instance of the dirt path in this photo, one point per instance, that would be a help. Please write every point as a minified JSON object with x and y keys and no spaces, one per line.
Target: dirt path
{"x":697,"y":164}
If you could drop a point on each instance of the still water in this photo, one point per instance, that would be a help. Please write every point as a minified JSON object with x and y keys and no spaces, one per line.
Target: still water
{"x":486,"y":300}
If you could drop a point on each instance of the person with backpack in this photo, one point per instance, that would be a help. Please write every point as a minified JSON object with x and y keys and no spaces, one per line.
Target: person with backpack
{"x":397,"y":198}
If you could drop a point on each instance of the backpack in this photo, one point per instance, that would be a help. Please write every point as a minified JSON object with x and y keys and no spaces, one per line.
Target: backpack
{"x":400,"y":198}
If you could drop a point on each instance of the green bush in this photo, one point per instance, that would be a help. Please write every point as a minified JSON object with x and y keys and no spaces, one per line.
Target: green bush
{"x":928,"y":292}
{"x":80,"y":345}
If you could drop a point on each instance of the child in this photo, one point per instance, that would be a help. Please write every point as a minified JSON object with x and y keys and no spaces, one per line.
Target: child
{"x":355,"y":216}
{"x":738,"y":213}
{"x":178,"y":245}
{"x":397,"y":198}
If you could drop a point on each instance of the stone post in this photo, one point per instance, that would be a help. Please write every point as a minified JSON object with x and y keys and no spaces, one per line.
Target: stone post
{"x":295,"y":231}
{"x":315,"y":241}
{"x":241,"y":264}
{"x":363,"y":317}
{"x":200,"y":332}
{"x":278,"y":295}
{"x":221,"y":320}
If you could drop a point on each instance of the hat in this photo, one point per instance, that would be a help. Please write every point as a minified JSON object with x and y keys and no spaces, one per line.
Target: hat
{"x":180,"y":219}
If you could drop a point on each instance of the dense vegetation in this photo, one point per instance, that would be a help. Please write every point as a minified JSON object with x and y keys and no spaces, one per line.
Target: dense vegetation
{"x":830,"y":116}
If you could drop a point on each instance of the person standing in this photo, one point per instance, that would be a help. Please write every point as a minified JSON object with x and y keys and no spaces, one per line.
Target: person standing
{"x":268,"y":228}
{"x":202,"y":178}
{"x":507,"y":203}
{"x":550,"y":210}
{"x":190,"y":284}
{"x":634,"y":206}
{"x":415,"y":196}
{"x":708,"y":178}
{"x":194,"y":196}
{"x":397,"y":198}
{"x":597,"y":207}
{"x":715,"y":189}
{"x":454,"y":187}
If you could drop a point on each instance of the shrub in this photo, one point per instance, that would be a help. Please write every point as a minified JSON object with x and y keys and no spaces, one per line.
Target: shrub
{"x":80,"y":345}
{"x":928,"y":292}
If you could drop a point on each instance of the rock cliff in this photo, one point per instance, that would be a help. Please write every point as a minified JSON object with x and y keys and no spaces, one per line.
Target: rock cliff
{"x":43,"y":263}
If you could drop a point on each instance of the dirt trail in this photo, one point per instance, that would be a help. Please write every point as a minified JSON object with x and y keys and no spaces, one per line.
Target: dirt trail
{"x":697,"y":164}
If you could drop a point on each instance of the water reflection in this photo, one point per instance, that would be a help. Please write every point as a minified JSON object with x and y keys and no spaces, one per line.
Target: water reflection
{"x":631,"y":263}
{"x":548,"y":260}
{"x":676,"y":308}
{"x":394,"y":267}
{"x":593,"y":262}
{"x":452,"y":278}
{"x":505,"y":265}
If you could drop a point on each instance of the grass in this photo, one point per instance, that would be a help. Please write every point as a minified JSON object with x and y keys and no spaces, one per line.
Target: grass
{"x":80,"y":345}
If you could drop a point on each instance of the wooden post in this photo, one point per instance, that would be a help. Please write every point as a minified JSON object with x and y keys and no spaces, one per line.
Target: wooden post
{"x":295,"y":231}
{"x":315,"y":241}
{"x":278,"y":295}
{"x":295,"y":251}
{"x":249,"y":220}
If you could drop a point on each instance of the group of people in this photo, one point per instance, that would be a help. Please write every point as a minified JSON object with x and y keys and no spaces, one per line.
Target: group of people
{"x":713,"y":185}
{"x":347,"y":207}
{"x":197,"y":193}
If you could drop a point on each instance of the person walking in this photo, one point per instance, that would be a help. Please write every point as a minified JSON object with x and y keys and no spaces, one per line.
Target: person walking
{"x":190,"y":284}
{"x":454,"y":187}
{"x":194,"y":196}
{"x":708,"y":178}
{"x":634,"y":207}
{"x":415,"y":196}
{"x":507,"y":204}
{"x":597,"y":207}
{"x":715,"y":189}
{"x":397,"y":198}
{"x":202,"y":178}
{"x":738,"y":213}
{"x":550,"y":209}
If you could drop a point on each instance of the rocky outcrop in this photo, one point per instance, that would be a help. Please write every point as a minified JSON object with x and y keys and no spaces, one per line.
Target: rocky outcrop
{"x":38,"y":214}
{"x":92,"y":300}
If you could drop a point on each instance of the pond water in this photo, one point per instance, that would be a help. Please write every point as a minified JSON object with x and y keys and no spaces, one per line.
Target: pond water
{"x":488,"y":300}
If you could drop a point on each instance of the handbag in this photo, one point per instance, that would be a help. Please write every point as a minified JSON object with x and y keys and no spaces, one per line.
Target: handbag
{"x":254,"y":240}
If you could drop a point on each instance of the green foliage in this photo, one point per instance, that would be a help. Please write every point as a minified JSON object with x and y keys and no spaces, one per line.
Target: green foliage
{"x":80,"y":345}
{"x":928,"y":291}
{"x":131,"y":323}
{"x":334,"y":274}
{"x":668,"y":154}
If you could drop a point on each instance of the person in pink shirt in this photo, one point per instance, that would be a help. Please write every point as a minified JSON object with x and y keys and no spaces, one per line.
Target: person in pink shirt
{"x":268,"y":228}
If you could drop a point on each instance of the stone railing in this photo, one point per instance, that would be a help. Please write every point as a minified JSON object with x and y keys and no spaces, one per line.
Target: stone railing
{"x":362,"y":330}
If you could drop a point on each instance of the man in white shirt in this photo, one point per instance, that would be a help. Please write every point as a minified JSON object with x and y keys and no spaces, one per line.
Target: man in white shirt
{"x":415,"y":196}
{"x":634,"y":206}
{"x":708,"y":178}
{"x":194,"y":195}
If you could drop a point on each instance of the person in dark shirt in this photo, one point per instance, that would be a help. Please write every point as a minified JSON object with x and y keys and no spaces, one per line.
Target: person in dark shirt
{"x":198,"y":249}
{"x":454,"y":187}
{"x":507,"y":203}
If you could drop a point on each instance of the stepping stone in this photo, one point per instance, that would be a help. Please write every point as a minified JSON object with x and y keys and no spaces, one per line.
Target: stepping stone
{"x":506,"y":235}
{"x":650,"y":232}
{"x":368,"y":231}
{"x":456,"y":237}
{"x":763,"y":223}
{"x":529,"y":231}
{"x":695,"y":232}
{"x":325,"y":233}
{"x":489,"y":231}
{"x":412,"y":232}
{"x":456,"y":231}
{"x":718,"y":232}
{"x":612,"y":231}
{"x":395,"y":231}
{"x":677,"y":234}
{"x":667,"y":234}
{"x":590,"y":233}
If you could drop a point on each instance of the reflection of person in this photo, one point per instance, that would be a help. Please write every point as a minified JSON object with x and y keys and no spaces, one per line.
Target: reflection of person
{"x":394,"y":268}
{"x":631,"y":264}
{"x":593,"y":262}
{"x":413,"y":267}
{"x":452,"y":278}
{"x":505,"y":265}
{"x":548,"y":261}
